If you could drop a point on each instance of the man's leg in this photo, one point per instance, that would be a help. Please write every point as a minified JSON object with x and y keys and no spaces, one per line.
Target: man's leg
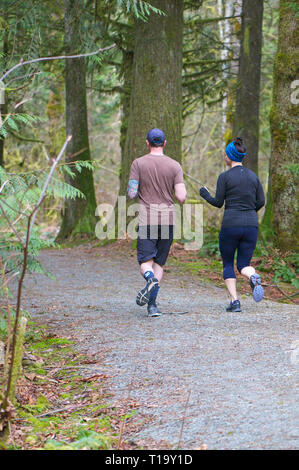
{"x":163,"y":247}
{"x":147,"y":266}
{"x":152,"y":308}
{"x":146,"y":270}
{"x":158,"y":273}
{"x":146,"y":250}
{"x":152,"y":283}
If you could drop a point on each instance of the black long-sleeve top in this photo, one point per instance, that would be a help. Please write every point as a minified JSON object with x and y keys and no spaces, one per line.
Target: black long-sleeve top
{"x":243,"y":194}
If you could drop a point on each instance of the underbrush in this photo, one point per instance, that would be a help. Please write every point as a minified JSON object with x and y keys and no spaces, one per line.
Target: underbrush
{"x":279,"y":271}
{"x":283,"y":267}
{"x":62,"y":399}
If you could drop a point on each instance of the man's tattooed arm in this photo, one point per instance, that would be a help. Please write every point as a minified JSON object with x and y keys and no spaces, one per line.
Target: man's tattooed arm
{"x":132,"y":188}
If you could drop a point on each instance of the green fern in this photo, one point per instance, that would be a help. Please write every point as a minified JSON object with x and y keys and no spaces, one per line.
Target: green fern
{"x":12,"y":122}
{"x":18,"y":198}
{"x":140,"y":8}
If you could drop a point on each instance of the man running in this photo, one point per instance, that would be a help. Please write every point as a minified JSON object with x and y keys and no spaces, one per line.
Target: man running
{"x":155,"y":177}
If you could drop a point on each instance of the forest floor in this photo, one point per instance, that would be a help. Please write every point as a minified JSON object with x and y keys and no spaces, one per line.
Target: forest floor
{"x":204,"y":379}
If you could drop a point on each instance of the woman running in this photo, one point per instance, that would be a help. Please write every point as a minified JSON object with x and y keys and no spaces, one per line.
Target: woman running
{"x":243,"y":194}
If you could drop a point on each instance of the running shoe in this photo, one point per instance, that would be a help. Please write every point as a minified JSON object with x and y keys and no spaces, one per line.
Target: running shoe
{"x":143,"y":295}
{"x":257,"y":290}
{"x":234,"y":306}
{"x":153,"y":311}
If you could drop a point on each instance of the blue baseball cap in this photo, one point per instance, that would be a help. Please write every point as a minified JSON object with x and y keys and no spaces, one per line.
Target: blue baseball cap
{"x":156,"y":137}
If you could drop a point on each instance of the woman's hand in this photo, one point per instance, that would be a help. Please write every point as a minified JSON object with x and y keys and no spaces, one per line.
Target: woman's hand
{"x":204,"y":192}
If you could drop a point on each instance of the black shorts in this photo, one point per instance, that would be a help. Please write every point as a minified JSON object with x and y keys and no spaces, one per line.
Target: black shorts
{"x":154,"y":242}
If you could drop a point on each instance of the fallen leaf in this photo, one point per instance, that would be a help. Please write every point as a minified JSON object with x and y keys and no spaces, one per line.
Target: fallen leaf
{"x":30,"y":377}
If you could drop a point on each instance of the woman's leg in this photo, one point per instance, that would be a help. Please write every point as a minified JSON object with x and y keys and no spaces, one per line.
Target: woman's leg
{"x":231,"y":285}
{"x":248,"y":271}
{"x":245,"y":252}
{"x":228,"y":243}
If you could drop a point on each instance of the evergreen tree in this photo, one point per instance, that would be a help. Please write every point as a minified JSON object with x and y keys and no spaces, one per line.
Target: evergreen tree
{"x":283,"y":199}
{"x":79,"y":214}
{"x":246,"y":120}
{"x":156,"y":98}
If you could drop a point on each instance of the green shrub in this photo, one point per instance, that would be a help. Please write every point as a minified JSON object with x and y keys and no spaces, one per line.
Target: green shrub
{"x":210,"y":242}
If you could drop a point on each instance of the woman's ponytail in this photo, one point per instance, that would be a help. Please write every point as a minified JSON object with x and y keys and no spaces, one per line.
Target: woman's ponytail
{"x":238,"y":143}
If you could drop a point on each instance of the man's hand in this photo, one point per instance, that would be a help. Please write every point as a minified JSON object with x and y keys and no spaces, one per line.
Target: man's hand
{"x":132,"y":188}
{"x":180,"y":192}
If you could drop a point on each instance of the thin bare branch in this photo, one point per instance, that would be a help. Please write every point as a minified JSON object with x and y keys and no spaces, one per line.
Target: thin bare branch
{"x":21,"y":77}
{"x":280,"y":290}
{"x":11,"y":225}
{"x":196,"y":180}
{"x":61,"y":57}
{"x":13,"y":208}
{"x":183,"y":420}
{"x":30,"y":223}
{"x":44,"y":190}
{"x":3,"y":186}
{"x":8,"y":311}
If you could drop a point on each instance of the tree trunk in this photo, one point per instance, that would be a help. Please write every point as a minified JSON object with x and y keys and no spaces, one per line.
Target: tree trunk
{"x":79,"y":214}
{"x":126,"y":72}
{"x":17,"y":365}
{"x":246,"y":121}
{"x":156,"y":99}
{"x":225,"y":9}
{"x":2,"y":112}
{"x":283,"y":203}
{"x":3,"y":104}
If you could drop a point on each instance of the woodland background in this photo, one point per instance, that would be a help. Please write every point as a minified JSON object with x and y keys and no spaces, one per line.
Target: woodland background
{"x":211,"y":79}
{"x":205,"y":71}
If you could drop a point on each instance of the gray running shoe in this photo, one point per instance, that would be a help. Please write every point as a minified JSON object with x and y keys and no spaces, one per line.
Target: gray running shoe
{"x":257,"y":290}
{"x":144,"y":294}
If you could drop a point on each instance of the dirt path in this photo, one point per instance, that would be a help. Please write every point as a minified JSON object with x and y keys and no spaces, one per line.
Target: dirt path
{"x":232,"y":376}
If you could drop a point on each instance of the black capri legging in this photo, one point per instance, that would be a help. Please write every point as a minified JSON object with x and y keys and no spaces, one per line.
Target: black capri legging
{"x":242,"y":239}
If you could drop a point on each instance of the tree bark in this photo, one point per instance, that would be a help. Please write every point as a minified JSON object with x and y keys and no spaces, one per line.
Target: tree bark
{"x":225,"y":9}
{"x":79,"y":214}
{"x":126,"y":72}
{"x":3,"y":104}
{"x":156,"y":99}
{"x":246,"y":120}
{"x":283,"y":205}
{"x":3,"y":110}
{"x":17,"y":365}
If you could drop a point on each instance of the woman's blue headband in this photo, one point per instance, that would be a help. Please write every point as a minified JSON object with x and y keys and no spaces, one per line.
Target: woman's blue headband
{"x":233,"y":153}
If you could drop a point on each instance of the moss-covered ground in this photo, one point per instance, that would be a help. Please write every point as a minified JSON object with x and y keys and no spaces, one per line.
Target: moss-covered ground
{"x":62,"y":402}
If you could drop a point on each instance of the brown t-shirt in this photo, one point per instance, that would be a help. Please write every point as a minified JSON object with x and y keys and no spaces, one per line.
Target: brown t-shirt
{"x":157,"y":175}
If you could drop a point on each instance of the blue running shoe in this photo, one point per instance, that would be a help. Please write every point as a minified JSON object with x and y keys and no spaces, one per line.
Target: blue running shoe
{"x":257,"y":290}
{"x":144,"y":294}
{"x":153,"y":311}
{"x":234,"y":306}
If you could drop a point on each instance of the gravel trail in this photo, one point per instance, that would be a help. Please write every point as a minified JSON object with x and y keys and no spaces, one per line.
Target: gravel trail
{"x":207,"y":377}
